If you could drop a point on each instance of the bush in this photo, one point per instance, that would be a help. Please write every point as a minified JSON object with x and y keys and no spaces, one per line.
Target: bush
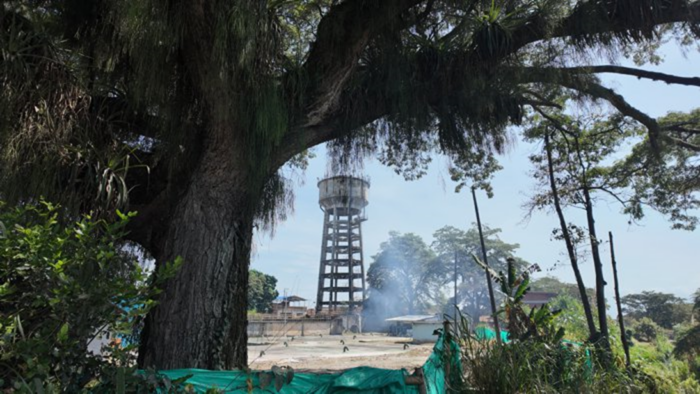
{"x":645,"y":330}
{"x":61,"y":286}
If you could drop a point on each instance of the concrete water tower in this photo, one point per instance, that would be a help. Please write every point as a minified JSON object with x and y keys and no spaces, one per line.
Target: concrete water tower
{"x":341,"y":276}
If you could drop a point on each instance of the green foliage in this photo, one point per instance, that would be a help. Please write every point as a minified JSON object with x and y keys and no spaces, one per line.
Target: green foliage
{"x":661,"y":371}
{"x":63,"y":286}
{"x":609,"y":155}
{"x":688,"y":342}
{"x":472,"y":293}
{"x":407,"y":275}
{"x":547,"y":364}
{"x":533,"y":366}
{"x":644,"y":329}
{"x":582,"y":147}
{"x":539,"y":361}
{"x":664,"y":309}
{"x":554,"y":285}
{"x":571,"y":317}
{"x":521,"y":324}
{"x":403,"y":275}
{"x":261,"y":291}
{"x":665,"y":179}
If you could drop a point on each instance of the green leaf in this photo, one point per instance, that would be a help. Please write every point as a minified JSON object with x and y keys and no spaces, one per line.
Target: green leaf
{"x":62,"y":335}
{"x":38,"y":386}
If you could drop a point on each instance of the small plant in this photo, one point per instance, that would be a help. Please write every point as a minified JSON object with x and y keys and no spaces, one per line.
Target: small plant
{"x":62,"y":285}
{"x":523,"y":324}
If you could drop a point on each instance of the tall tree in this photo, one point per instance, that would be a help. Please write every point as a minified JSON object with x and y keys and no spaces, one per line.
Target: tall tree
{"x":572,"y":166}
{"x":554,"y":285}
{"x":664,"y":309}
{"x":582,"y":161}
{"x":403,"y":275}
{"x":211,"y":98}
{"x":261,"y":291}
{"x":472,"y":291}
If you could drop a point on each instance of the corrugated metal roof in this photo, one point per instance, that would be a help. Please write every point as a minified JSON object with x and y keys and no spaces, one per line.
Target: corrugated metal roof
{"x":291,"y":298}
{"x":413,"y":318}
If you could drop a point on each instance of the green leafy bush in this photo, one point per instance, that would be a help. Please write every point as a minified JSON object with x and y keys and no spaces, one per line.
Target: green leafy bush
{"x":644,"y":329}
{"x":539,"y":364}
{"x":61,"y":286}
{"x":538,"y":360}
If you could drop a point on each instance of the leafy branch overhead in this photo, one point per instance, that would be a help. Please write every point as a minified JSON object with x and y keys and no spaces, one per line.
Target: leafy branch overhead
{"x":455,"y":71}
{"x":609,"y":155}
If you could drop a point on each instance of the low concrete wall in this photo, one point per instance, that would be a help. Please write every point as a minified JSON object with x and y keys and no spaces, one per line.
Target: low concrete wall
{"x":423,"y":332}
{"x":296,"y":327}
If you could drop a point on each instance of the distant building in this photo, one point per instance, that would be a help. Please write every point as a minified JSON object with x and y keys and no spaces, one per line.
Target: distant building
{"x":535,"y":299}
{"x":420,"y":327}
{"x":290,"y":306}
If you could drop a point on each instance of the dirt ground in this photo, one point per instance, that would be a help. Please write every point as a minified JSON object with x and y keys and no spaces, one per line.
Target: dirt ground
{"x":329,"y":353}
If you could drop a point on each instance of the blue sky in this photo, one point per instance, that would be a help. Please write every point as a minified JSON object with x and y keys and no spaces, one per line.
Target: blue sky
{"x":650,"y":255}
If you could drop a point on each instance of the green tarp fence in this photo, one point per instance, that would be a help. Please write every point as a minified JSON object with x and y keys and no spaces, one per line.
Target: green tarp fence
{"x":443,"y":361}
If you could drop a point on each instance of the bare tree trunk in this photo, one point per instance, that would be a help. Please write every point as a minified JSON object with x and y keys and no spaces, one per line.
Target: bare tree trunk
{"x":598,"y":264}
{"x":488,"y":273}
{"x":569,"y":243}
{"x":620,"y":319}
{"x":200,"y":321}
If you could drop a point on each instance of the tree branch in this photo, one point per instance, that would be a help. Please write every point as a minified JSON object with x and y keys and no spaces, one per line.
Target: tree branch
{"x":342,"y":36}
{"x":656,"y":76}
{"x":598,"y":91}
{"x":681,"y":129}
{"x":585,"y":21}
{"x":684,"y":144}
{"x":347,"y":29}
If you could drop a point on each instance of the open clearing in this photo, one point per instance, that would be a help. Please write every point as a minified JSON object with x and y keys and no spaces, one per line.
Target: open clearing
{"x":326,"y":352}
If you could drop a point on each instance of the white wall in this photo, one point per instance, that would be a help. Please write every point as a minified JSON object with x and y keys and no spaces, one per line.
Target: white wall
{"x":423,"y":332}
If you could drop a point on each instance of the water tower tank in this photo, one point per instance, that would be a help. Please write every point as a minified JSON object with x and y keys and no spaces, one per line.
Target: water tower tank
{"x":341,"y":278}
{"x":343,"y":193}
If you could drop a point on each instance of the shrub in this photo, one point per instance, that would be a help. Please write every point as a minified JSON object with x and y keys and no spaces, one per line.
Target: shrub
{"x":61,"y":285}
{"x":645,"y":330}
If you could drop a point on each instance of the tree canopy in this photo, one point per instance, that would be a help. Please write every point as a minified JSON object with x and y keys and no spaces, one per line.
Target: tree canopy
{"x":664,"y":309}
{"x":261,"y":291}
{"x":554,"y":285}
{"x":409,"y":277}
{"x":403,"y":276}
{"x":472,"y":291}
{"x":189,"y":112}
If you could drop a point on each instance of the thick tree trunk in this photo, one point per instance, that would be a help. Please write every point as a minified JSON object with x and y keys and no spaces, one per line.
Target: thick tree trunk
{"x":200,"y":321}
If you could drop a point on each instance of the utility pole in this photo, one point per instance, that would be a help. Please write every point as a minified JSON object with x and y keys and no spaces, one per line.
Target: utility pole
{"x":285,"y":302}
{"x":488,"y":273}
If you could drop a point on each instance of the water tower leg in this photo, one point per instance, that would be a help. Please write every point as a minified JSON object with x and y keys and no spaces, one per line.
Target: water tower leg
{"x":322,"y":264}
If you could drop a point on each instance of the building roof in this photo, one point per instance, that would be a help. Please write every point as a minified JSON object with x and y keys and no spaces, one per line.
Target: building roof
{"x":415,"y":319}
{"x":291,"y":298}
{"x":538,"y":297}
